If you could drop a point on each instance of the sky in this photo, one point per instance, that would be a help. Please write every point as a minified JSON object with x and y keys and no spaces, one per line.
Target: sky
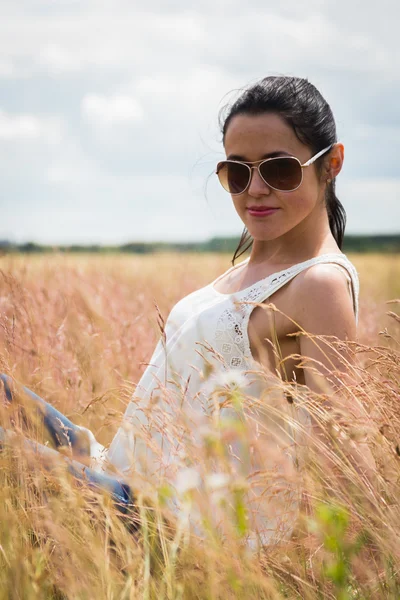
{"x":109,"y":110}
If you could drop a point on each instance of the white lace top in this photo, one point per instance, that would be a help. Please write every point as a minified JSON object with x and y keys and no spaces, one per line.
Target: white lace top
{"x":205,"y":343}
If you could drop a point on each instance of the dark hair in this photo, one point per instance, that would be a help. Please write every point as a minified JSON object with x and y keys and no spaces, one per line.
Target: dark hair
{"x":302,"y":106}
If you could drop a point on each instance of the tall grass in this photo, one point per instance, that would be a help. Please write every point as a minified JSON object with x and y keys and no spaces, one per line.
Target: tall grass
{"x":78,"y":331}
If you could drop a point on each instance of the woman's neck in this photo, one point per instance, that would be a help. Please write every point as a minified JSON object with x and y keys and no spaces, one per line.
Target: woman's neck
{"x":309,"y":238}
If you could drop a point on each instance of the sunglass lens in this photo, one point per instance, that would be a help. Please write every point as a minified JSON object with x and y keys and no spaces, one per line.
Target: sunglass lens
{"x":234,"y":177}
{"x":282,"y":173}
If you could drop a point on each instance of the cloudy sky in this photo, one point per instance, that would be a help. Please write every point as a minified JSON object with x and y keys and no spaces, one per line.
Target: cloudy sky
{"x":109,"y":110}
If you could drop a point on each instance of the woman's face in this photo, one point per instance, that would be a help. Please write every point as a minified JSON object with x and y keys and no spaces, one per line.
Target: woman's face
{"x":250,"y":138}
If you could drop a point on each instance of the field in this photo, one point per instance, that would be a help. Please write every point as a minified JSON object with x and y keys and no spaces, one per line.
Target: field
{"x":78,"y":330}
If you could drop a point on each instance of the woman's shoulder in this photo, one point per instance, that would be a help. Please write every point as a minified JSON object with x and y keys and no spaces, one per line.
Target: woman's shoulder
{"x":327,"y":273}
{"x":322,"y":278}
{"x":326,"y":291}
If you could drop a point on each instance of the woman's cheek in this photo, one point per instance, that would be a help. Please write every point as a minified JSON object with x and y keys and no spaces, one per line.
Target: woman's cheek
{"x":298,"y":206}
{"x":240,"y":206}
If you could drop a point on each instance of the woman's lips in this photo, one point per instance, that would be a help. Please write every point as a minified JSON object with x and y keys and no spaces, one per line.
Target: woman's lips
{"x":261,"y":212}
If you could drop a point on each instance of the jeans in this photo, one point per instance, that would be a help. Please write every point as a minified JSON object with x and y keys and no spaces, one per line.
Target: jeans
{"x":65,"y":433}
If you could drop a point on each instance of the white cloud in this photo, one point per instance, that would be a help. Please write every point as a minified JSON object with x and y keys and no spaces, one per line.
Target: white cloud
{"x":110,"y":209}
{"x":119,"y":99}
{"x":255,"y":37}
{"x":372,"y":205}
{"x":102,"y":111}
{"x":6,"y":68}
{"x":57,"y":59}
{"x":25,"y":127}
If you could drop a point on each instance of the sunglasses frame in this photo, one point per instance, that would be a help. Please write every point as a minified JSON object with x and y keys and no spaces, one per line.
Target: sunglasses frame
{"x":263,"y":161}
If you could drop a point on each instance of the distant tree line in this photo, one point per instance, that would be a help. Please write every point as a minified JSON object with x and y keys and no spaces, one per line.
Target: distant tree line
{"x":352,"y":243}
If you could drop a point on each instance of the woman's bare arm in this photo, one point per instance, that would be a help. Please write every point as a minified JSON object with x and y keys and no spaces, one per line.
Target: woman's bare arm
{"x":324,"y":308}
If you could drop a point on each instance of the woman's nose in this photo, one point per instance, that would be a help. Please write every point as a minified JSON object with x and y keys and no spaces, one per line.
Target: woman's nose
{"x":257,"y":186}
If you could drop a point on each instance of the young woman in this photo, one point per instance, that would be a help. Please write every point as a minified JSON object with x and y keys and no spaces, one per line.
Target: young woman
{"x":282,"y":159}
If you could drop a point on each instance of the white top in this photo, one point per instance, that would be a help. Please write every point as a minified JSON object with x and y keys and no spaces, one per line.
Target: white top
{"x":205,"y":346}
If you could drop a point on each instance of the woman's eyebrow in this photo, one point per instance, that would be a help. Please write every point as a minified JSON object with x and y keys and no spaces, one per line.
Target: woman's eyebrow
{"x":264,"y":156}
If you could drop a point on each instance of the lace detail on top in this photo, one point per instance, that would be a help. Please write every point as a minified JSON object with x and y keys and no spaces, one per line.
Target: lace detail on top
{"x":231,"y":337}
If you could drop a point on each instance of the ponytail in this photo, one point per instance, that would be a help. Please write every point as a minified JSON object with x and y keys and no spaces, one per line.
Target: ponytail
{"x":336,"y":214}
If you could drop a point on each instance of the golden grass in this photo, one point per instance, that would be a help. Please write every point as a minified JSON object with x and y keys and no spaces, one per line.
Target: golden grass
{"x":78,"y":330}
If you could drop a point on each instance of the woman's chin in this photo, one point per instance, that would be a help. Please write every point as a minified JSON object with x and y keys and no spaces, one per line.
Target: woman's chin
{"x":264,"y":236}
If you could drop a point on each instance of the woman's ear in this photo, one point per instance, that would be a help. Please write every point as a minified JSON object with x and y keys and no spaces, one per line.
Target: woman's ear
{"x":334,"y":162}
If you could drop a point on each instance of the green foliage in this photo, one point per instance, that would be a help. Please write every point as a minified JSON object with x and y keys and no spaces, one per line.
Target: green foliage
{"x":331,"y":523}
{"x":352,"y":243}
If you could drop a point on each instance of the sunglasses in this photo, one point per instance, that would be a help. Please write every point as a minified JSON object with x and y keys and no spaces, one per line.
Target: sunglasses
{"x":283,"y":173}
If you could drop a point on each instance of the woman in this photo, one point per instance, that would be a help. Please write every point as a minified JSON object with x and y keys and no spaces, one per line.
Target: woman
{"x":282,"y":158}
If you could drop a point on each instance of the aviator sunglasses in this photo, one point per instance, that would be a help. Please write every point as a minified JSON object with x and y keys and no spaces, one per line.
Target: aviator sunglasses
{"x":281,"y":173}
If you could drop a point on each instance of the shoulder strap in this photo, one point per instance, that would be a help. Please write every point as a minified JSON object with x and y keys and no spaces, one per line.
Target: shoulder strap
{"x":278,"y":280}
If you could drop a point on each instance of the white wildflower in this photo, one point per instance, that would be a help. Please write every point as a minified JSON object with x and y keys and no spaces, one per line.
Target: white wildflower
{"x":218,"y":487}
{"x":232,"y":378}
{"x":216,"y":481}
{"x":187,"y":479}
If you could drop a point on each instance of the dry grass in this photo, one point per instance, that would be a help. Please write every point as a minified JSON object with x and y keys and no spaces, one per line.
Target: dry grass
{"x":78,"y":330}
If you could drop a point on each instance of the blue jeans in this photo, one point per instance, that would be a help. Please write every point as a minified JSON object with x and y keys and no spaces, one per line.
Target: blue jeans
{"x":65,"y":433}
